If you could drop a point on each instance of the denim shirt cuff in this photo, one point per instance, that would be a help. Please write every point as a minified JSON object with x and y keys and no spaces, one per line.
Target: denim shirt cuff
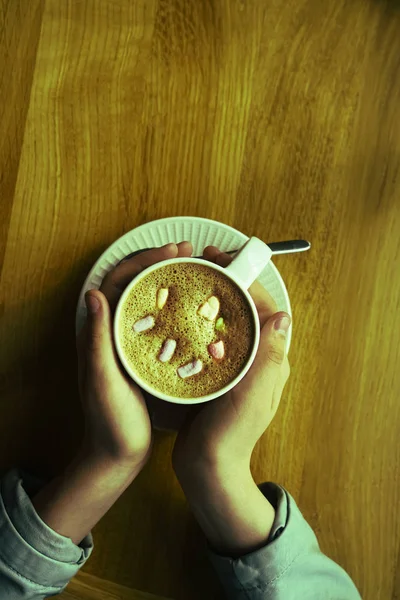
{"x":30,"y":547}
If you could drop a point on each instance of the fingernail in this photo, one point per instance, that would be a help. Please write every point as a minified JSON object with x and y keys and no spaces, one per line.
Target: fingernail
{"x":92,"y":303}
{"x":282,"y":324}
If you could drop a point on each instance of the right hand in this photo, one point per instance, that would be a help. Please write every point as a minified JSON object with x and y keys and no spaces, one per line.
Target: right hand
{"x":224,"y":431}
{"x":118,"y":428}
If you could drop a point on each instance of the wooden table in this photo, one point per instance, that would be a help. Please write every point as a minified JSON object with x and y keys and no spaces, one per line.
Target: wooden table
{"x":279,"y":118}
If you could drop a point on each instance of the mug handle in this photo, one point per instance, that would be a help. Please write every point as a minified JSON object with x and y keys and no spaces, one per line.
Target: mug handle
{"x":249,"y":261}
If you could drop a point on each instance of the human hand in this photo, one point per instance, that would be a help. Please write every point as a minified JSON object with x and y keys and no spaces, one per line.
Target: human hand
{"x":118,"y":429}
{"x":118,"y":433}
{"x":226,"y":430}
{"x":212,"y":452}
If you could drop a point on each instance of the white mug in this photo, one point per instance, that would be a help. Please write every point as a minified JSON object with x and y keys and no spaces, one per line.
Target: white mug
{"x":246,"y":266}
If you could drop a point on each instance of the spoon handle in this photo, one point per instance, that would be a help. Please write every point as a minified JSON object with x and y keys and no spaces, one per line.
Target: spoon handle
{"x":276,"y":247}
{"x":285,"y":247}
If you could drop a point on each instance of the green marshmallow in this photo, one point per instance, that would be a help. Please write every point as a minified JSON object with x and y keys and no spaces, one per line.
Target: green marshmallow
{"x":220,"y":324}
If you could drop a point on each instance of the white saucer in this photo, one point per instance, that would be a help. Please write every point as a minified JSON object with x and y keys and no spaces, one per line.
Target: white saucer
{"x":201,"y":232}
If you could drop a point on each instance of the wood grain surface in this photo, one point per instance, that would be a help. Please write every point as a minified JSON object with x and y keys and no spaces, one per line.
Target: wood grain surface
{"x":279,"y":118}
{"x":90,"y":587}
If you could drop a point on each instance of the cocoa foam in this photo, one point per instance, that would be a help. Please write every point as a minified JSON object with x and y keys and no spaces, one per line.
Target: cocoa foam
{"x":189,"y":286}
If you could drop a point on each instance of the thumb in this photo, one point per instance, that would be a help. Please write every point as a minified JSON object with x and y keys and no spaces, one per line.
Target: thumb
{"x":99,"y":338}
{"x":272,"y":349}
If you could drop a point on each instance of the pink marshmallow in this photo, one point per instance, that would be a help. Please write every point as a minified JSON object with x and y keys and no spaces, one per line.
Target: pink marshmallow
{"x":217,"y":350}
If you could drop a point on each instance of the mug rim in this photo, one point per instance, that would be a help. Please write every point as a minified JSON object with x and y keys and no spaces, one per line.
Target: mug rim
{"x":143,"y":384}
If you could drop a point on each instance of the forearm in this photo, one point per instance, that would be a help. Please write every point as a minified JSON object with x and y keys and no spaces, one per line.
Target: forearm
{"x":234,"y":515}
{"x":74,"y":502}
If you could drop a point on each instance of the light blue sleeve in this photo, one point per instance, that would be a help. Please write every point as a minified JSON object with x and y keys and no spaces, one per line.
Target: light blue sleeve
{"x":35,"y":561}
{"x":290,"y":566}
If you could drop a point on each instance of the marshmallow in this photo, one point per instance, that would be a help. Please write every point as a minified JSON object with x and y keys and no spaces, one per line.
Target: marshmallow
{"x":167,"y":350}
{"x":162,"y":296}
{"x":190,"y":369}
{"x":217,"y":350}
{"x":209,"y":309}
{"x":220,"y":324}
{"x":144,"y":324}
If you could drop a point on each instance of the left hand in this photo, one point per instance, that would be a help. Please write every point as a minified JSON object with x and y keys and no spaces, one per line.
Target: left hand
{"x":224,"y":432}
{"x":212,"y":452}
{"x":118,"y":429}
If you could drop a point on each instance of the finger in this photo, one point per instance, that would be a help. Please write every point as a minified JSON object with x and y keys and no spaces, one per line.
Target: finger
{"x":117,"y":279}
{"x":80,"y":350}
{"x":270,"y":363}
{"x":185,"y":249}
{"x":99,"y":351}
{"x":80,"y":342}
{"x":280,"y":385}
{"x":265,"y":304}
{"x":214,"y":254}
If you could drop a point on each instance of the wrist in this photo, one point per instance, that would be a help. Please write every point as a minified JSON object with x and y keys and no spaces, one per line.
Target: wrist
{"x":100,"y":470}
{"x":72,"y":503}
{"x":203,"y":479}
{"x":103,"y":464}
{"x":211,"y":471}
{"x":233,"y":513}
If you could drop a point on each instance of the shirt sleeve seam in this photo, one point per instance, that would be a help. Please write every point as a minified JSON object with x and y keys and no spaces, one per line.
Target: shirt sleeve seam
{"x":263,"y":587}
{"x":245,"y":589}
{"x":277,"y":577}
{"x":39,"y":585}
{"x":40,"y":552}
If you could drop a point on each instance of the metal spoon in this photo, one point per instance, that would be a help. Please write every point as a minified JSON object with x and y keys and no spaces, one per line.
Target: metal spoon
{"x":277,"y":248}
{"x":285,"y":247}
